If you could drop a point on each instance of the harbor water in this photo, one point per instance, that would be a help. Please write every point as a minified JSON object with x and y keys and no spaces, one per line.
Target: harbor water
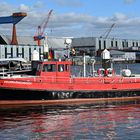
{"x":115,"y":121}
{"x":102,"y":121}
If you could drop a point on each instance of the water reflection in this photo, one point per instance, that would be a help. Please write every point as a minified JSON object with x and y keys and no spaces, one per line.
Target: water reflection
{"x":95,"y":121}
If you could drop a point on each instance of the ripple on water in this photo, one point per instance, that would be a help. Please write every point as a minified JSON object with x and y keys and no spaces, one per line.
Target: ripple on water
{"x":104,"y":121}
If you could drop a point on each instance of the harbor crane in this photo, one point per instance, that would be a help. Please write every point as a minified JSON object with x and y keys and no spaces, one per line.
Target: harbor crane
{"x":41,"y":29}
{"x":14,"y":19}
{"x":106,"y":34}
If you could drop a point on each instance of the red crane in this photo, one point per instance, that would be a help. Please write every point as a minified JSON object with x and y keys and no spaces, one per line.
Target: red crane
{"x":41,"y":29}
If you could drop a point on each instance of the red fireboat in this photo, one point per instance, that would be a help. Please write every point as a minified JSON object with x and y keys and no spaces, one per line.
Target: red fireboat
{"x":53,"y":80}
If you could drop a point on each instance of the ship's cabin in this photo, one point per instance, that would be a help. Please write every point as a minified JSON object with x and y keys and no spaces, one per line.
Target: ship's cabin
{"x":54,"y":68}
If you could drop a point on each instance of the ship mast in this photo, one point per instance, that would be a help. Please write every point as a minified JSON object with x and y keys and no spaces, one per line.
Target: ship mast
{"x":84,"y":64}
{"x":45,"y":48}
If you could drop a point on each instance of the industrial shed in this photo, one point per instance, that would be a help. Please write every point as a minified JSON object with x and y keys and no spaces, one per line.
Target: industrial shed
{"x":26,"y":45}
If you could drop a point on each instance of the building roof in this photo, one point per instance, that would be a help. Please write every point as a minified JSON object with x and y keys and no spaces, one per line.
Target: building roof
{"x":53,"y":42}
{"x":5,"y":39}
{"x":115,"y":52}
{"x":56,"y":42}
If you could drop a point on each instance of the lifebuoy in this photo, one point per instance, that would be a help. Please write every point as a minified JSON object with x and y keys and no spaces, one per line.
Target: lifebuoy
{"x":109,"y":72}
{"x":101,"y":72}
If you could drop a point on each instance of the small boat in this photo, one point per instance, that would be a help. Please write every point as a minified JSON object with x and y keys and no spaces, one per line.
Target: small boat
{"x":53,"y":80}
{"x":14,"y":66}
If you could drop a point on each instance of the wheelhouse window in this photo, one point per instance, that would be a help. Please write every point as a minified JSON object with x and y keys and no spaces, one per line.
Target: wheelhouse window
{"x":61,"y":68}
{"x":49,"y":68}
{"x":67,"y":67}
{"x":39,"y":66}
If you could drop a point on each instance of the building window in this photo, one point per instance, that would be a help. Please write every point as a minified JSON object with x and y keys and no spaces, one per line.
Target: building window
{"x":22,"y":52}
{"x":99,"y":44}
{"x":104,"y":44}
{"x":17,"y":52}
{"x":126,"y":44}
{"x":123,"y":44}
{"x":49,"y":68}
{"x":133,"y":43}
{"x":116,"y":44}
{"x":137,"y":44}
{"x":112,"y":44}
{"x":5,"y":52}
{"x":11,"y":52}
{"x":30,"y":54}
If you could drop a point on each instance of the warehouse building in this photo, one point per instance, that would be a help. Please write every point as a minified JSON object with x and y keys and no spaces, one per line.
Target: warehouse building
{"x":92,"y":46}
{"x":26,"y":46}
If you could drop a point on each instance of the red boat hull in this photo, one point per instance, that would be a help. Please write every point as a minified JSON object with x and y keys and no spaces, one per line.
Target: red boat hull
{"x":53,"y":79}
{"x":22,"y":94}
{"x":94,"y":84}
{"x":49,"y":88}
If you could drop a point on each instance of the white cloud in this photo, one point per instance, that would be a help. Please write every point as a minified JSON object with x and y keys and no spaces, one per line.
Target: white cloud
{"x":24,"y":8}
{"x":38,"y":4}
{"x":70,"y":24}
{"x":129,"y":1}
{"x":120,"y":16}
{"x":5,"y":8}
{"x":68,"y":3}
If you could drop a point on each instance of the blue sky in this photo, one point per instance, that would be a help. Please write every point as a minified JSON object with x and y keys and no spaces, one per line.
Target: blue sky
{"x":77,"y":18}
